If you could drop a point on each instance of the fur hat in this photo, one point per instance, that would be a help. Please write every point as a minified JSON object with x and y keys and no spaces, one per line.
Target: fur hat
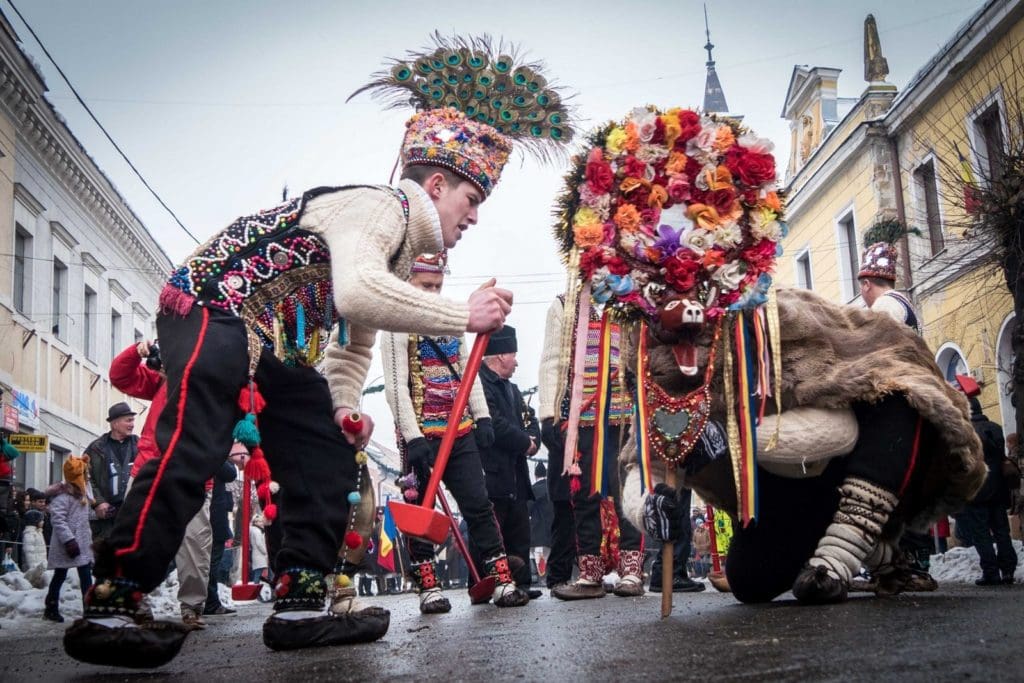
{"x":879,"y":260}
{"x":502,"y":341}
{"x":74,"y":471}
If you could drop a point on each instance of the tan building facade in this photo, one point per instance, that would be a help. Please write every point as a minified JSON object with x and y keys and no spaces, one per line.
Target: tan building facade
{"x":79,"y":275}
{"x":892,"y":154}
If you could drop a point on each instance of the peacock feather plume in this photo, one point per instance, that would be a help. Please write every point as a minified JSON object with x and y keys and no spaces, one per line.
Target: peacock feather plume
{"x":888,"y":231}
{"x":489,"y":83}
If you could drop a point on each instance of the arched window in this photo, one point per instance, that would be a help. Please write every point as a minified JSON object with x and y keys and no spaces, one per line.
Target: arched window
{"x":951,"y":362}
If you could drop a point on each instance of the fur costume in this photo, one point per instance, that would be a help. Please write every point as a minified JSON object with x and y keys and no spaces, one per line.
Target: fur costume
{"x":833,"y":356}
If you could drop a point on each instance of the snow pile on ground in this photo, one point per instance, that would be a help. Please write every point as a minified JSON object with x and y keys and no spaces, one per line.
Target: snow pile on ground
{"x":961,"y":565}
{"x":22,"y":596}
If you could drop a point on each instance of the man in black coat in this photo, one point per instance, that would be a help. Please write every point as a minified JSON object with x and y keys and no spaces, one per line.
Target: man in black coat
{"x":516,"y":436}
{"x":985,"y":516}
{"x":541,"y":518}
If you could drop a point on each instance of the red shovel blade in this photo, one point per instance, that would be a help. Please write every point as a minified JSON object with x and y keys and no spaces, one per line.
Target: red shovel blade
{"x":481,"y":592}
{"x":245,"y":591}
{"x":420,"y":522}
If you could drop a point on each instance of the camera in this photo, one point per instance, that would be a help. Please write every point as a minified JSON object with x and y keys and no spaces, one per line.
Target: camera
{"x":153,"y":361}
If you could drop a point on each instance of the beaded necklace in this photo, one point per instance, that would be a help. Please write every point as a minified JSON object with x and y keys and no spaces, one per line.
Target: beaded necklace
{"x":675,"y":425}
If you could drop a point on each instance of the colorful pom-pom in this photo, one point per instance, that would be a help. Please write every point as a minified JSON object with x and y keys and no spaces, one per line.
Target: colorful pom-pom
{"x":245,"y":431}
{"x":257,"y":469}
{"x":361,"y":457}
{"x":342,"y":581}
{"x":575,"y":485}
{"x":353,"y":540}
{"x":354,"y":498}
{"x":270,"y":512}
{"x":411,"y":494}
{"x":250,"y":400}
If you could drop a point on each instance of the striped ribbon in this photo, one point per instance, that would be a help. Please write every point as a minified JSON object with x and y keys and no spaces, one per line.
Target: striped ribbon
{"x":746,"y":379}
{"x":599,"y":477}
{"x":642,"y":421}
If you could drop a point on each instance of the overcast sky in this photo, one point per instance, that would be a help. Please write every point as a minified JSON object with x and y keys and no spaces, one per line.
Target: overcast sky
{"x":220,"y":104}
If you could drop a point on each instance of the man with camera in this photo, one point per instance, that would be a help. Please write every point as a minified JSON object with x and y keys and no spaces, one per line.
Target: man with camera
{"x":138,"y":372}
{"x":110,"y":458}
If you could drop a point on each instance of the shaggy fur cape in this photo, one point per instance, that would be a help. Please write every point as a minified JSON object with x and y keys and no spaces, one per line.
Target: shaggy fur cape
{"x":832,"y":357}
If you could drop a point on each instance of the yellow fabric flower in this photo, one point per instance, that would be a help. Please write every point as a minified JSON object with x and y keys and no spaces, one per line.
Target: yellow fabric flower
{"x":627,"y":218}
{"x":703,"y":215}
{"x":724,"y":138}
{"x":672,"y":129}
{"x":585,"y":215}
{"x":676,"y":163}
{"x":721,"y":179}
{"x":588,"y":234}
{"x":657,"y":197}
{"x":629,"y":184}
{"x":632,"y":137}
{"x":616,"y":141}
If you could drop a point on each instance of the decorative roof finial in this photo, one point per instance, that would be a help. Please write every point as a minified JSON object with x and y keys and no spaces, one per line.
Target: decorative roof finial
{"x":876,"y":68}
{"x":714,"y":96}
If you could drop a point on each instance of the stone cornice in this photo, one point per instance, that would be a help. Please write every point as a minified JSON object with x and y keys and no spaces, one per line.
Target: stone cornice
{"x":61,"y":233}
{"x":140,"y":310}
{"x":48,"y":136}
{"x":90,"y":262}
{"x":28,"y":199}
{"x":118,"y":289}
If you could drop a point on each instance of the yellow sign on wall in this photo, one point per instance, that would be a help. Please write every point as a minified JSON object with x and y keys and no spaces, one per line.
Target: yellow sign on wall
{"x":30,"y":443}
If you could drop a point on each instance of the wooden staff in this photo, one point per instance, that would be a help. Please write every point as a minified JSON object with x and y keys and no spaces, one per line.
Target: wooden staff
{"x":667,"y":548}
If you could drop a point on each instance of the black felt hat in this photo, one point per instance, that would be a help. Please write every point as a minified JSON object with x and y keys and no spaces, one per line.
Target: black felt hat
{"x":502,"y":341}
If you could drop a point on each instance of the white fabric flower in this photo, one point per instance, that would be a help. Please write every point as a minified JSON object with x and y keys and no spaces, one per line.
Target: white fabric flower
{"x":730,"y":275}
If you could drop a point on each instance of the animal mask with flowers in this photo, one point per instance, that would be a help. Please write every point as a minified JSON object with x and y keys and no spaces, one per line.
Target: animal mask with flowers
{"x":673,"y":217}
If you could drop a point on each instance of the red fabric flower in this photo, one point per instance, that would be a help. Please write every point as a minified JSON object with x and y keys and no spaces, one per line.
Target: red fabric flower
{"x":761,"y":256}
{"x":591,"y":260}
{"x":689,"y":124}
{"x":634,"y":167}
{"x":753,"y":168}
{"x":681,"y":273}
{"x":617,"y":266}
{"x":659,"y":132}
{"x":723,"y":201}
{"x":283,"y":588}
{"x":599,"y":175}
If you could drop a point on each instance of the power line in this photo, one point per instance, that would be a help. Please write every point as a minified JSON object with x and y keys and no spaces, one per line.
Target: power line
{"x":98,"y":124}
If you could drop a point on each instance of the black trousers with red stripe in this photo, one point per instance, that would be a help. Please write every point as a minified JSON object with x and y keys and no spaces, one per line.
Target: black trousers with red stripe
{"x":205,"y":356}
{"x":586,"y":508}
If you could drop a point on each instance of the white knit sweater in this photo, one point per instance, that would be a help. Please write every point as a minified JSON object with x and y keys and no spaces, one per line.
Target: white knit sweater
{"x":394,"y":348}
{"x":372,"y":250}
{"x":552,"y":375}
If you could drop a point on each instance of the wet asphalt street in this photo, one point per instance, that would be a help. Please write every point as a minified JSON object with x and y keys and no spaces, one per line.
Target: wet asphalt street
{"x":958,"y":633}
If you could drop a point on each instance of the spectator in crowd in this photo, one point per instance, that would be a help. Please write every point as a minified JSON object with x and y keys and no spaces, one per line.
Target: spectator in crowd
{"x":37,"y":501}
{"x":681,"y":582}
{"x":257,"y":548}
{"x":72,"y":536}
{"x":110,"y":461}
{"x":517,"y":436}
{"x":985,"y":516}
{"x":541,"y":520}
{"x":32,"y":542}
{"x":221,"y":503}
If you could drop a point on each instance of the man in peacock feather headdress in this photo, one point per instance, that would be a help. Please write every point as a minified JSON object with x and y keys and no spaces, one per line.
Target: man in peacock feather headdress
{"x":245,"y":320}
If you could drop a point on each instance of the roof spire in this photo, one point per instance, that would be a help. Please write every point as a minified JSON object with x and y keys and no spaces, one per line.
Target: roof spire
{"x":714,"y":97}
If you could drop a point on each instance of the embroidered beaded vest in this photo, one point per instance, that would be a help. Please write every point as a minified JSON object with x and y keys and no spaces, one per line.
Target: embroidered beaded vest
{"x":272,"y":274}
{"x":620,"y":406}
{"x":433,"y":383}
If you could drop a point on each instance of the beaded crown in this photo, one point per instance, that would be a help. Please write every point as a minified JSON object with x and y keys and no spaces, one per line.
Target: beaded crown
{"x":473,"y":101}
